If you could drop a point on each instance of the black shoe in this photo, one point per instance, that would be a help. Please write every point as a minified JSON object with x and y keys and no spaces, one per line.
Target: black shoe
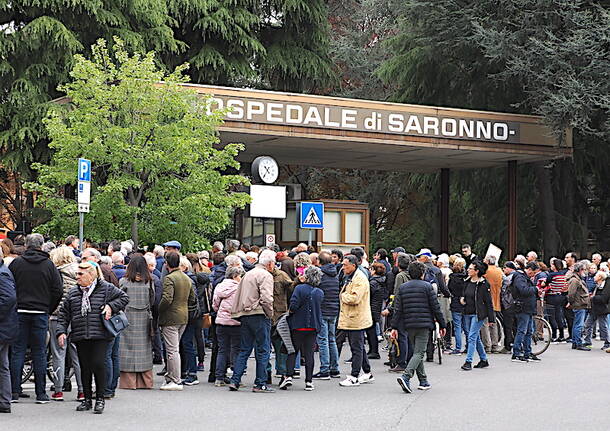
{"x":482,"y":364}
{"x":233,"y":387}
{"x":162,"y":372}
{"x":388,"y":364}
{"x":269,"y":378}
{"x":99,"y":406}
{"x":67,"y":386}
{"x":584,"y":348}
{"x":373,"y":356}
{"x":533,"y":358}
{"x":23,"y":395}
{"x":5,"y":409}
{"x":335,"y":375}
{"x":157,"y":361}
{"x":348,"y":361}
{"x":430,"y":359}
{"x":296,"y":374}
{"x":467,"y":366}
{"x":84,"y":406}
{"x":321,"y":376}
{"x":108,"y":396}
{"x":574,"y":346}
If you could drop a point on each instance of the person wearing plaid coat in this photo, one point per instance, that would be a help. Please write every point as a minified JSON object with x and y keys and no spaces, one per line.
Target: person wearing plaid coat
{"x":136,"y":359}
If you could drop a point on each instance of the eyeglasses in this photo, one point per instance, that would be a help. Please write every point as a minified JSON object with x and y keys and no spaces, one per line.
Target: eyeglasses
{"x":80,"y":273}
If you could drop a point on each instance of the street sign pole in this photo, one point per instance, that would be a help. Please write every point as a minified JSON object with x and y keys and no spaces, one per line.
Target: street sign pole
{"x":81,"y":229}
{"x":309,"y":236}
{"x":84,"y":196}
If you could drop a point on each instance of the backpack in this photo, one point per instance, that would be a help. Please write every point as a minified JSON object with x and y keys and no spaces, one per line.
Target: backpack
{"x":431,"y":278}
{"x":506,"y":294}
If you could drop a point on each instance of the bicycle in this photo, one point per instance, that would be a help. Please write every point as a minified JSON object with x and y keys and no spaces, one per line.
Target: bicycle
{"x":541,"y":337}
{"x":438,"y":342}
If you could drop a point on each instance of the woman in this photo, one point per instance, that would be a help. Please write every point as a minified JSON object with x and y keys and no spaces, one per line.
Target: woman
{"x":135,"y":350}
{"x":227,"y":329}
{"x":8,"y":249}
{"x":477,"y":307}
{"x":86,"y":304}
{"x":377,"y":295}
{"x":456,"y":287}
{"x":200,"y":276}
{"x":65,"y":261}
{"x":555,"y":286}
{"x":599,"y":310}
{"x":301,"y":262}
{"x":305,"y":315}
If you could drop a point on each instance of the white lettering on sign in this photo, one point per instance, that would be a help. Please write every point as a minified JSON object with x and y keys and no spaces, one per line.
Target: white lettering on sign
{"x":381,"y":121}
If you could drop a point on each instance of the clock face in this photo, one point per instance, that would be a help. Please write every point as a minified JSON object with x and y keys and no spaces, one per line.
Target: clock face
{"x":268,"y":170}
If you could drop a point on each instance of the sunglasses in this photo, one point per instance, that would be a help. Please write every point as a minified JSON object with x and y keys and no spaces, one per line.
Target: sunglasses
{"x":80,"y":273}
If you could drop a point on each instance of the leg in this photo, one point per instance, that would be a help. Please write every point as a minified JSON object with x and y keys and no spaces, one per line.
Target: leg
{"x":403,"y":346}
{"x":579,"y":318}
{"x":199,"y":340}
{"x":340,"y":340}
{"x":245,"y":348}
{"x":419,"y":339}
{"x":214,"y":356}
{"x":602,"y":322}
{"x":171,"y":338}
{"x":297,"y":342}
{"x":280,"y":358}
{"x":98,"y":366}
{"x":322,"y":339}
{"x":527,"y":341}
{"x":430,"y":348}
{"x":235,"y":341}
{"x":332,"y":345}
{"x":589,"y":322}
{"x":224,"y":349}
{"x":307,"y":351}
{"x":17,"y":357}
{"x":76,"y":366}
{"x":38,"y":344}
{"x":522,"y":329}
{"x":366,"y":367}
{"x":58,"y":355}
{"x":187,"y":342}
{"x":480,"y":347}
{"x":357,"y":350}
{"x":371,"y":336}
{"x":263,"y":348}
{"x":486,"y":337}
{"x":5,"y":377}
{"x":509,"y":325}
{"x":84,"y":357}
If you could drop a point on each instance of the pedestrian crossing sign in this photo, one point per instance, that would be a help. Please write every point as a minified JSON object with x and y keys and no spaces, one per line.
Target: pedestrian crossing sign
{"x":312,"y":215}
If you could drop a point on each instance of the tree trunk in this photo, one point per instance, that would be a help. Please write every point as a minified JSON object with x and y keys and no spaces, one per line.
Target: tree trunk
{"x":134,"y":231}
{"x":547,"y":209}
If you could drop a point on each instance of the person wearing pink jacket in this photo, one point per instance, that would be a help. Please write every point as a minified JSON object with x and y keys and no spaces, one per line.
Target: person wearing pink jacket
{"x":227,"y":329}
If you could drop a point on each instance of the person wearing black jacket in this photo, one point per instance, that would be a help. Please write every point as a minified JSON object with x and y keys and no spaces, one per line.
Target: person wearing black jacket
{"x":92,"y":300}
{"x":39,"y":290}
{"x":377,"y":295}
{"x":599,"y":310}
{"x":477,"y":307}
{"x":524,"y":294}
{"x":326,"y":338}
{"x":456,"y":288}
{"x":9,"y":328}
{"x":416,"y":308}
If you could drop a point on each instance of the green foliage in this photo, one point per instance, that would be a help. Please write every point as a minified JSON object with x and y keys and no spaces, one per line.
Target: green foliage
{"x":156,"y":174}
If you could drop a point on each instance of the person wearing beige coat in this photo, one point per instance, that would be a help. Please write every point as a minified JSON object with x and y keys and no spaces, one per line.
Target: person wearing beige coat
{"x":354,"y":317}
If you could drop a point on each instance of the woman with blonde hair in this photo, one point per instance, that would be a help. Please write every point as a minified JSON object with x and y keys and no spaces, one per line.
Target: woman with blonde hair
{"x":63,"y":258}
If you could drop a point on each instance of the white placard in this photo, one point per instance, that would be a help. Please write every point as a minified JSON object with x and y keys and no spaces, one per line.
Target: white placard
{"x":84,"y":192}
{"x":268,"y":201}
{"x":269,"y":240}
{"x":494,"y":250}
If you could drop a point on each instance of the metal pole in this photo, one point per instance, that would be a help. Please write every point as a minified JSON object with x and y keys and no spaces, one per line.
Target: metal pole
{"x":512,"y":208}
{"x":309,"y":236}
{"x":264,"y":233}
{"x":444,"y":207}
{"x":81,"y":223}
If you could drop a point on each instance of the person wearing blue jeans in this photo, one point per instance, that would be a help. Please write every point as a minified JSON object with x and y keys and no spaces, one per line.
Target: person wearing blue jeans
{"x":579,"y":301}
{"x":188,"y":355}
{"x":255,"y":329}
{"x":113,"y":367}
{"x":478,"y":306}
{"x":33,"y":328}
{"x":459,"y":326}
{"x":577,"y":328}
{"x":329,"y":355}
{"x":522,"y":347}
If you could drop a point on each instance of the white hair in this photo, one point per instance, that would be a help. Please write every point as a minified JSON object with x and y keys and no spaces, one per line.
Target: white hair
{"x":118,"y":258}
{"x":126,"y":247}
{"x":233,"y":260}
{"x":159,"y":251}
{"x":443,"y":258}
{"x":185,"y":264}
{"x":491,"y":260}
{"x":106,"y":260}
{"x":533,"y":254}
{"x":218,"y":246}
{"x":599,"y":256}
{"x":266,"y":257}
{"x":150,"y":259}
{"x":93,"y":252}
{"x":252,"y":255}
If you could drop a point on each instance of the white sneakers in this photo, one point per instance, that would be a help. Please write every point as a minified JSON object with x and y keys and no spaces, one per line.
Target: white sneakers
{"x":366,"y":378}
{"x":309,"y":386}
{"x":357,"y":381}
{"x":171,"y":386}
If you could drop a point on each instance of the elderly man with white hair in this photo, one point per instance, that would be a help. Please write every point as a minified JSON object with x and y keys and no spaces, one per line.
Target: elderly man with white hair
{"x":252,"y":257}
{"x":531,"y":256}
{"x":599,"y":310}
{"x":253,"y":307}
{"x":596,"y":259}
{"x":118,"y":264}
{"x":151,"y":262}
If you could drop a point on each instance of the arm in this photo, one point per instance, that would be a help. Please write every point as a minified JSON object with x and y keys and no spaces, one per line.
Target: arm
{"x":218,"y":297}
{"x":295,"y":300}
{"x":64,"y":316}
{"x":491,"y":315}
{"x":167,"y":297}
{"x":397,"y":316}
{"x":8,"y":295}
{"x":57,"y":287}
{"x":266,"y":294}
{"x":357,"y":291}
{"x":118,"y":299}
{"x":435,"y":307}
{"x":442,"y":286}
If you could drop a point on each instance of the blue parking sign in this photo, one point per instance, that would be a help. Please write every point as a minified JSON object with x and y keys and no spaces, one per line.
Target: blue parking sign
{"x":312,"y":215}
{"x":84,"y":170}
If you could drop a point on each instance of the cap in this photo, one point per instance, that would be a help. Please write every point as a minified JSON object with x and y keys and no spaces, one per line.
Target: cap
{"x":424,"y":252}
{"x":510,"y":264}
{"x":174,"y":244}
{"x":398,"y":250}
{"x":203,"y":254}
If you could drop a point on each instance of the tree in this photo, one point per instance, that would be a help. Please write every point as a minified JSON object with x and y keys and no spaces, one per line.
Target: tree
{"x":156,"y":173}
{"x":37,"y":42}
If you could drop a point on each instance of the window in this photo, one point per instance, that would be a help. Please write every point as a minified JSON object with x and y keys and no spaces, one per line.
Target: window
{"x":332,"y":226}
{"x":353,"y":227}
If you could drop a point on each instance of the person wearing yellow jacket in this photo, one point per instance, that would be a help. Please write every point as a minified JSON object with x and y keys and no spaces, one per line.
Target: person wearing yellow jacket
{"x":354,"y":317}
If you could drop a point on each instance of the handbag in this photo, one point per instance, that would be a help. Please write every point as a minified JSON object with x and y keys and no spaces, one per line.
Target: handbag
{"x":117,"y":322}
{"x":206,"y":319}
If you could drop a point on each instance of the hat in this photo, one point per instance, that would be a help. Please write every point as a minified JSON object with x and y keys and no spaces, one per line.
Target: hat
{"x":203,"y":254}
{"x":174,"y":244}
{"x":424,"y":252}
{"x":397,"y":250}
{"x":511,"y":265}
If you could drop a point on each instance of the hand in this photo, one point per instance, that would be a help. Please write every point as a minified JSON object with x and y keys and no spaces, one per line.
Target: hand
{"x":61,"y":340}
{"x":490,"y":324}
{"x":385,"y":313}
{"x":302,"y":278}
{"x":462,"y":301}
{"x":107,"y":311}
{"x":567,"y":305}
{"x":442,"y":332}
{"x":394,"y":334}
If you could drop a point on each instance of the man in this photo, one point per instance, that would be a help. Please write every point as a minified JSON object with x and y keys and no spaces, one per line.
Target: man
{"x":416,"y":308}
{"x":9,"y":328}
{"x":151,"y":262}
{"x":301,"y":248}
{"x":579,"y":302}
{"x":327,"y":343}
{"x":39,"y":289}
{"x":253,"y":307}
{"x":118,"y":265}
{"x":508,"y":306}
{"x":204,"y":261}
{"x":531,"y":256}
{"x":468,"y":255}
{"x":354,"y":317}
{"x":74,"y":243}
{"x":489,"y":334}
{"x":282,"y":290}
{"x":524,"y":295}
{"x":178,"y":295}
{"x":159,"y":252}
{"x":337,"y":258}
{"x":315,"y":260}
{"x":172,"y":246}
{"x":93,"y":255}
{"x":232,"y":246}
{"x":570,"y":259}
{"x":251,"y":257}
{"x":217,"y":247}
{"x":596,"y":259}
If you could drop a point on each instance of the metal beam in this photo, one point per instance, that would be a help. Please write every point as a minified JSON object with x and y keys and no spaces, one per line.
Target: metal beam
{"x":444,"y":210}
{"x":511,"y":176}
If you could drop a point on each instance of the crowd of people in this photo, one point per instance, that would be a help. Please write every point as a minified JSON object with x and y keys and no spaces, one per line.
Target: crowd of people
{"x":240,"y":299}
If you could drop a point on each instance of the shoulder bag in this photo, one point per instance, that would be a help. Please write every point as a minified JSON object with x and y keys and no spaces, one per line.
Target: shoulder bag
{"x":117,"y":322}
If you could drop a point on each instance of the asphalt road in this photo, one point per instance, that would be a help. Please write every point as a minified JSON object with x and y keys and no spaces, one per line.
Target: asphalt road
{"x":568,"y":390}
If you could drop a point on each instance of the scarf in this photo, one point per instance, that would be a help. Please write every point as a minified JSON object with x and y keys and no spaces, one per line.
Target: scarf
{"x":85,"y":305}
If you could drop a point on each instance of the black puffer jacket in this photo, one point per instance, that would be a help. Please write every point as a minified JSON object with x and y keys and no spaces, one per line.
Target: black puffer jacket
{"x":378,"y":292}
{"x":90,"y":326}
{"x":330,"y":286}
{"x":456,"y":287}
{"x":416,"y":307}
